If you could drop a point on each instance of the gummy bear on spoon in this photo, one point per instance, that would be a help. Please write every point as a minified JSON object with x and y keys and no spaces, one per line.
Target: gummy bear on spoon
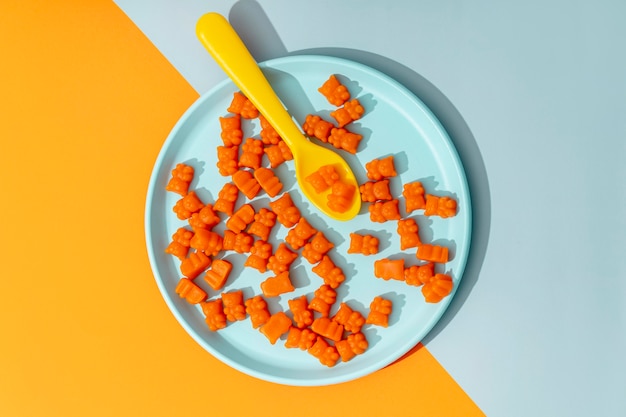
{"x":229,"y":51}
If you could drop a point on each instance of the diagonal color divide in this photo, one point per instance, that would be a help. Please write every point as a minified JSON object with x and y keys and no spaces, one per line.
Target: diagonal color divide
{"x":86,"y":110}
{"x":451,"y":400}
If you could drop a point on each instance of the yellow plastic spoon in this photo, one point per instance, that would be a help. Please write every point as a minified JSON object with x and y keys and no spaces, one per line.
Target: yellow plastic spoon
{"x":229,"y":51}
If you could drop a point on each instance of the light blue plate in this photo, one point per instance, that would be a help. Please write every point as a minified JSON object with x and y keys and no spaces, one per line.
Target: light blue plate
{"x":396,"y":123}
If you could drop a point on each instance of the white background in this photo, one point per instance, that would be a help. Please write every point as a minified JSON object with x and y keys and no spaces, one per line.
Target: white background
{"x":533,"y":94}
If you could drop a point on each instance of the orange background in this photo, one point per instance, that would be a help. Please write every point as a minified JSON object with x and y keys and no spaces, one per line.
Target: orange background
{"x":87,"y":102}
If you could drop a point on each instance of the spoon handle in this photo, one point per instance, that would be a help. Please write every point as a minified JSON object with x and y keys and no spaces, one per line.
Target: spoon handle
{"x":229,"y":51}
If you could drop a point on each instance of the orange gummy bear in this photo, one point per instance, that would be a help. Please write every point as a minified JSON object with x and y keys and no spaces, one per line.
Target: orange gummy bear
{"x":262,"y":249}
{"x":322,"y":179}
{"x":332,"y":275}
{"x":182,"y":175}
{"x":409,"y":236}
{"x":302,"y":339}
{"x":257,"y":263}
{"x":354,"y":344}
{"x":277,"y":154}
{"x":214,"y":314}
{"x":389,"y":269}
{"x":234,"y":307}
{"x":380,"y":309}
{"x":241,"y":218}
{"x":323,"y":299}
{"x":351,"y":110}
{"x":183,"y":236}
{"x":176,"y":249}
{"x":217,"y":275}
{"x":194,"y":264}
{"x":259,"y":255}
{"x":440,"y":206}
{"x":187,"y":205}
{"x":351,"y":320}
{"x":342,"y":138}
{"x":263,"y":223}
{"x":246,"y":183}
{"x":358,"y":343}
{"x":381,"y":211}
{"x":378,"y":169}
{"x":231,"y":132}
{"x":208,"y":216}
{"x":256,"y":308}
{"x":187,"y":289}
{"x":277,"y":285}
{"x":227,"y":163}
{"x":437,"y":288}
{"x":363,"y":244}
{"x":340,"y":196}
{"x":226,"y":199}
{"x":432,"y":253}
{"x":179,"y":246}
{"x":277,"y":325}
{"x":252,"y":153}
{"x":413,"y":194}
{"x":281,"y":259}
{"x":286,"y":212}
{"x":317,"y":127}
{"x":335,"y":92}
{"x":316,"y":248}
{"x":268,"y":181}
{"x":417,"y":275}
{"x":327,"y":354}
{"x":302,"y":315}
{"x":196,"y":223}
{"x":242,"y":106}
{"x":268,"y":134}
{"x":343,"y":348}
{"x":239,"y":242}
{"x":328,"y":328}
{"x":375,"y":190}
{"x":206,"y":241}
{"x":300,"y":234}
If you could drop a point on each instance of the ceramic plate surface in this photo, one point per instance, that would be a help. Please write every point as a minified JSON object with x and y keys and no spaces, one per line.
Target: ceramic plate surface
{"x":395,"y":123}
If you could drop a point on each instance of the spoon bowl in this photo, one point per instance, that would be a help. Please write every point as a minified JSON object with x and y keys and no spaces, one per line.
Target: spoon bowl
{"x":229,"y":51}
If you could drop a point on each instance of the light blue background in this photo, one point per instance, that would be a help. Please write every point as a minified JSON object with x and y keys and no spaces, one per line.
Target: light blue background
{"x":534,"y":96}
